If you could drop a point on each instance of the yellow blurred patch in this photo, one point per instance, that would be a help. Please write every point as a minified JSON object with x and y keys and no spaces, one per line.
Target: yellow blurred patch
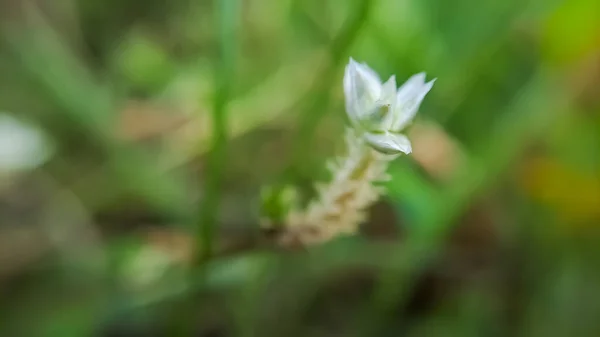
{"x":572,"y":31}
{"x":574,"y":195}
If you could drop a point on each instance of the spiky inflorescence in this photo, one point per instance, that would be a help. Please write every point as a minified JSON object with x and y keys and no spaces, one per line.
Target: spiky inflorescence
{"x":340,"y":206}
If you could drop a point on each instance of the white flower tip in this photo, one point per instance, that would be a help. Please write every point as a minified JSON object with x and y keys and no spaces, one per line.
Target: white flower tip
{"x":363,"y":81}
{"x":420,"y":77}
{"x":353,"y":64}
{"x":361,"y":67}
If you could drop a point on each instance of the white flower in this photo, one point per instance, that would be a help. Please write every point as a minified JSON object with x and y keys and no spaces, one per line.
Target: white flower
{"x":22,"y":146}
{"x":379,"y":110}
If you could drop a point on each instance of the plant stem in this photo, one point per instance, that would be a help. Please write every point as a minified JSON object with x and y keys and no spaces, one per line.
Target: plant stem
{"x":226,"y":14}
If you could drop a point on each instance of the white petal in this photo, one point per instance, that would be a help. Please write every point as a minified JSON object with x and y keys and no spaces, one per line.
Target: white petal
{"x":378,"y":116}
{"x":350,"y":95}
{"x":408,"y":100}
{"x":388,"y":90}
{"x":415,"y":81}
{"x":367,"y":77}
{"x":362,"y":88}
{"x":366,"y":82}
{"x":388,"y":98}
{"x":389,"y":143}
{"x":22,"y":146}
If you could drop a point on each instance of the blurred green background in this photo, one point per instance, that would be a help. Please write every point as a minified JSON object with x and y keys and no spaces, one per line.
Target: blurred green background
{"x":136,"y":138}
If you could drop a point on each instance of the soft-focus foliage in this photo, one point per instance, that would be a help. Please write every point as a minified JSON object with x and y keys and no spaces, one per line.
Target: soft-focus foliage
{"x":137,"y":137}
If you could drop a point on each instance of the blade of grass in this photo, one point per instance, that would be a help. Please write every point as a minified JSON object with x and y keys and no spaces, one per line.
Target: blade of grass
{"x":317,"y":106}
{"x":227,"y":14}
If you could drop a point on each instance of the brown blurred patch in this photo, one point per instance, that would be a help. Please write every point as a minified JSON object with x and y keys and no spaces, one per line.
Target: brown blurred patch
{"x":20,"y":248}
{"x":584,"y":81}
{"x":435,"y":150}
{"x":139,"y":121}
{"x":179,"y":245}
{"x":382,"y":222}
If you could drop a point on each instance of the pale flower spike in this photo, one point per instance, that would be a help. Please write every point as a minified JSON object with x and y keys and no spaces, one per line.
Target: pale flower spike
{"x":378,"y":112}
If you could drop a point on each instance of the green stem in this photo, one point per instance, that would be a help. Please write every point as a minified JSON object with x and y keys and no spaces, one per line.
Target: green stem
{"x":317,"y":106}
{"x":227,"y":18}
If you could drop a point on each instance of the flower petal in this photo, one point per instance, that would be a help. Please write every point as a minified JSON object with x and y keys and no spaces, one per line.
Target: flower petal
{"x":367,"y":78}
{"x":389,"y":143}
{"x":378,"y":116}
{"x":362,"y":88}
{"x":408,"y":100}
{"x":350,"y":95}
{"x":388,"y":99}
{"x":366,"y":81}
{"x":388,"y":90}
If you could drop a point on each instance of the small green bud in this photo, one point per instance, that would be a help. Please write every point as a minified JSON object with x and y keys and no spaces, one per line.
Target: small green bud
{"x":276,"y":203}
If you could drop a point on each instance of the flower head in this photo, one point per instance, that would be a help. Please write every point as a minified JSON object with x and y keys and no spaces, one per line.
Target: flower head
{"x":380,"y":110}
